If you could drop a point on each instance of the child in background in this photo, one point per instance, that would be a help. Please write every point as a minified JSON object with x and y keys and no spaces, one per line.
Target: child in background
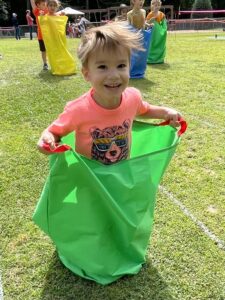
{"x":29,"y":23}
{"x":122,"y":13}
{"x":155,"y":14}
{"x":39,"y":8}
{"x":136,"y":16}
{"x":53,"y":6}
{"x":102,"y":118}
{"x":53,"y":27}
{"x":157,"y":49}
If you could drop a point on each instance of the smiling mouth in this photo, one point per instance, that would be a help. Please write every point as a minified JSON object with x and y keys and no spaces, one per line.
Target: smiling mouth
{"x":112,"y":86}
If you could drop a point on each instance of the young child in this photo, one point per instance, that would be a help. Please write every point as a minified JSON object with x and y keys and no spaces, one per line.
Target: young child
{"x":155,"y":14}
{"x":136,"y":16}
{"x":110,"y":106}
{"x":157,"y":49}
{"x":39,"y":8}
{"x":53,"y":27}
{"x":53,"y":6}
{"x":122,"y":13}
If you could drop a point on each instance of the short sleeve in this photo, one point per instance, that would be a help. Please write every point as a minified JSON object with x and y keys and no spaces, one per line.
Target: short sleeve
{"x":66,"y":121}
{"x":142,"y":106}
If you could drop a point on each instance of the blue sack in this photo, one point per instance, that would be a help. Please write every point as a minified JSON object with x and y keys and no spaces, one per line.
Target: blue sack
{"x":138,"y":61}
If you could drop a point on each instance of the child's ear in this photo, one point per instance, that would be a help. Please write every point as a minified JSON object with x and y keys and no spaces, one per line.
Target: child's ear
{"x":85,"y":73}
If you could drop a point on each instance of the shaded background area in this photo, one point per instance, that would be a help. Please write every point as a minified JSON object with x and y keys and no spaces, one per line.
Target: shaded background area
{"x":7,"y":7}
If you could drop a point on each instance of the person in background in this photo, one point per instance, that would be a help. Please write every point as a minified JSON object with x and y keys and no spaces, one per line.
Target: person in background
{"x":30,"y":22}
{"x":53,"y":7}
{"x":39,"y":8}
{"x":155,"y":14}
{"x":15,"y":23}
{"x":122,"y":13}
{"x":157,"y":49}
{"x":70,"y":30}
{"x":82,"y":25}
{"x":136,"y":16}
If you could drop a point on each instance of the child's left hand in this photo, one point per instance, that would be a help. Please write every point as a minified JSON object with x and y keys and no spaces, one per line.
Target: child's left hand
{"x":173,"y":116}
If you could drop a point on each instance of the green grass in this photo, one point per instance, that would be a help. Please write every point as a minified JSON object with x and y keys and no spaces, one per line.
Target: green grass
{"x":182,"y":262}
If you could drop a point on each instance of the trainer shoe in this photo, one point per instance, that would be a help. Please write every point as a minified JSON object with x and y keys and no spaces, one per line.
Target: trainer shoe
{"x":45,"y":67}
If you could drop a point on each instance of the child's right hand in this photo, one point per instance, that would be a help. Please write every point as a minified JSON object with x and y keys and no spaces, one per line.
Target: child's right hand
{"x":47,"y":138}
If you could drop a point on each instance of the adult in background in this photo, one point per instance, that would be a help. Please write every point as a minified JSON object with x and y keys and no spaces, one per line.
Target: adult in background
{"x":30,"y":22}
{"x":15,"y":23}
{"x":82,"y":25}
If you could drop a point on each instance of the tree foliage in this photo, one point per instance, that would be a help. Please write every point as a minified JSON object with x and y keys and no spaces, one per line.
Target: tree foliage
{"x":186,"y":4}
{"x":202,"y":5}
{"x":3,"y":11}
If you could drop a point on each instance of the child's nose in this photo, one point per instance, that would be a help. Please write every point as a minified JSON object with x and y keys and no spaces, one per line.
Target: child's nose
{"x":113,"y":73}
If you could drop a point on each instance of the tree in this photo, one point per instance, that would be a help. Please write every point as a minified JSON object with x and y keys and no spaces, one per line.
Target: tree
{"x":201,"y":5}
{"x":186,"y":4}
{"x":3,"y":11}
{"x":218,"y":4}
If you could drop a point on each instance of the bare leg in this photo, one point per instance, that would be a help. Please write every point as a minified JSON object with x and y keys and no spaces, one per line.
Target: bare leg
{"x":44,"y":57}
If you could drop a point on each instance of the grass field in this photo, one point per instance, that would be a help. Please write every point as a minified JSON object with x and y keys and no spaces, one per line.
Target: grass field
{"x":186,"y":256}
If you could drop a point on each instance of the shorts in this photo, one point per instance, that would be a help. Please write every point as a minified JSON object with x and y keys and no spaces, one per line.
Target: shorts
{"x":41,"y":45}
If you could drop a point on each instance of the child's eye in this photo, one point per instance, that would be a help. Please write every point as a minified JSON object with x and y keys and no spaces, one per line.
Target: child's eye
{"x":121,"y":66}
{"x":102,"y":67}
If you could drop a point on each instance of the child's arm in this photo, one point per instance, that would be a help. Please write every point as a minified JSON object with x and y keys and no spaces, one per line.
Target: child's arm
{"x":58,"y":13}
{"x":48,"y":138}
{"x":165,"y":113}
{"x":33,"y":4}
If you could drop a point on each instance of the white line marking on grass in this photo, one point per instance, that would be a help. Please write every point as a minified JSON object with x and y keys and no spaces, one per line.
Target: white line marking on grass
{"x":202,"y":226}
{"x":1,"y":289}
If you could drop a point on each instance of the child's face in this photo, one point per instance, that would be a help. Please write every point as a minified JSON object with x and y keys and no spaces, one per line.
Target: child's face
{"x":155,"y":6}
{"x":108,"y":73}
{"x":123,"y":12}
{"x":52,"y":7}
{"x":42,"y":5}
{"x":138,"y":4}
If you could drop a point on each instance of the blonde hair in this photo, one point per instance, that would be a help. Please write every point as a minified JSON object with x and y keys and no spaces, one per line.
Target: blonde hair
{"x":53,"y":1}
{"x":39,"y":1}
{"x":110,"y":37}
{"x":156,"y":1}
{"x":132,"y":2}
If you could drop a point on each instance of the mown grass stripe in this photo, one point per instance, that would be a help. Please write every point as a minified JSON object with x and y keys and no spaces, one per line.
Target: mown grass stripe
{"x":1,"y":289}
{"x":220,"y":243}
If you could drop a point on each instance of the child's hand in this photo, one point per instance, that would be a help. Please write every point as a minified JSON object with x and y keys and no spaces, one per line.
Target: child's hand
{"x":173,"y":116}
{"x":49,"y":139}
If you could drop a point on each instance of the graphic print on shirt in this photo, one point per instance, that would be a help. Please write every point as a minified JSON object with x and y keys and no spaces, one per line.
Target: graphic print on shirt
{"x":110,"y":144}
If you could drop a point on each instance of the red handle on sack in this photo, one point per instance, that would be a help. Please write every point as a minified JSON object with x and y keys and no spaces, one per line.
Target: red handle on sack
{"x":59,"y":148}
{"x":183,"y":125}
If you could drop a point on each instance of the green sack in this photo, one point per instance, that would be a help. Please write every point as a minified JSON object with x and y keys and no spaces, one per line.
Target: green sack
{"x":157,"y":48}
{"x":99,"y":216}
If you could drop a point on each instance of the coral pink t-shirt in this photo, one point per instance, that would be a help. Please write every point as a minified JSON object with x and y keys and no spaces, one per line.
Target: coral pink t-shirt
{"x":101,"y":134}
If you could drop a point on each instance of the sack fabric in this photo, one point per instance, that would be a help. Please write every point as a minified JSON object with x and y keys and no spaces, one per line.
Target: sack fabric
{"x":99,"y":216}
{"x":53,"y":30}
{"x":138,"y":61}
{"x":157,"y":48}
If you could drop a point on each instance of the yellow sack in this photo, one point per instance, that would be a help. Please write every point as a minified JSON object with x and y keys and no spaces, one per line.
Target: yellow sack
{"x":53,"y":30}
